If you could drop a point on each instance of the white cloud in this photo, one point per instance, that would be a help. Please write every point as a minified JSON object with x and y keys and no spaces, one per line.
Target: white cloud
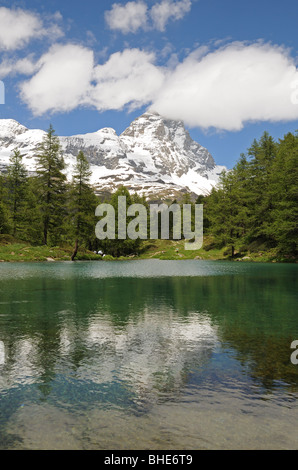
{"x":230,"y":86}
{"x":127,"y":78}
{"x":18,"y":27}
{"x":67,"y":78}
{"x":25,"y":66}
{"x":127,"y":18}
{"x":132,"y":16}
{"x":62,"y":79}
{"x":220,"y":89}
{"x":167,"y":10}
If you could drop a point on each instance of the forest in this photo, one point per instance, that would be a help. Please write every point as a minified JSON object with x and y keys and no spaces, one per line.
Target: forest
{"x":253,"y":208}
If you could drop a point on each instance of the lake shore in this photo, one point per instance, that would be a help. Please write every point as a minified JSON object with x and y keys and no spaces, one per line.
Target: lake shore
{"x":154,"y":249}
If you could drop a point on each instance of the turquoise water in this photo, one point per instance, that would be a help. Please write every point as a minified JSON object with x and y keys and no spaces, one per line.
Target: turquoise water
{"x":148,"y":355}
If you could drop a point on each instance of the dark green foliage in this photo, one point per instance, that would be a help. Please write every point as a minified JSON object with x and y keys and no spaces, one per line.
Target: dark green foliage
{"x":284,"y":194}
{"x":81,"y":206}
{"x":45,"y":209}
{"x":51,"y":187}
{"x":255,"y":204}
{"x":16,"y":189}
{"x":119,"y":247}
{"x":253,"y":208}
{"x":4,"y":222}
{"x":33,"y":215}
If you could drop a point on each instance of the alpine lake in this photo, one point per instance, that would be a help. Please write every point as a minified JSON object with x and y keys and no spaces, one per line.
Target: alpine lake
{"x":148,"y":354}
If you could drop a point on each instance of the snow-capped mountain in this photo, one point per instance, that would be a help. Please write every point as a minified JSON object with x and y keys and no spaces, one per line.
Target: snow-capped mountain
{"x":153,"y":155}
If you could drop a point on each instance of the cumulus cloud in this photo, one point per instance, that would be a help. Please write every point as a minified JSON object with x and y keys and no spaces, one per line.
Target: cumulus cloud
{"x":222,"y":89}
{"x":67,"y":78}
{"x":230,"y":86}
{"x":25,"y":66}
{"x":127,"y":78}
{"x":132,"y":16}
{"x":167,"y":10}
{"x":60,"y":84}
{"x":127,"y":18}
{"x":18,"y":27}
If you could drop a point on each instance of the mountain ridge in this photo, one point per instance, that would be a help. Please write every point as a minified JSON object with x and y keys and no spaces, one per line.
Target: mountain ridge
{"x":152,"y":155}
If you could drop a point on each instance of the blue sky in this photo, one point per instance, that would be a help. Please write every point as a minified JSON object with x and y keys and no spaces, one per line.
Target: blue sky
{"x":227,"y":68}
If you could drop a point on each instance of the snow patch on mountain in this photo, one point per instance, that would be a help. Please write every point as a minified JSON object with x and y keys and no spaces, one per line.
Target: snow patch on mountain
{"x":152,"y":155}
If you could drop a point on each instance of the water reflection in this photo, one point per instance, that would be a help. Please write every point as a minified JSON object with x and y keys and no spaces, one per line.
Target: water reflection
{"x":2,"y":353}
{"x":85,"y":342}
{"x":150,"y":355}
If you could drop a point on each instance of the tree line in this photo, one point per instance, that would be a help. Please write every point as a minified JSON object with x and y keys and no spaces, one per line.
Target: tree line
{"x":45,"y":209}
{"x":254,"y":206}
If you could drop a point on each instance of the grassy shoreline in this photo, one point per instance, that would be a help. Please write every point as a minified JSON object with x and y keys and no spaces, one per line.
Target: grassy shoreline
{"x":153,"y":249}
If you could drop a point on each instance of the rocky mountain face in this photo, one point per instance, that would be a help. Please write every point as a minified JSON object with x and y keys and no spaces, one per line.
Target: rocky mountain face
{"x":152,"y":156}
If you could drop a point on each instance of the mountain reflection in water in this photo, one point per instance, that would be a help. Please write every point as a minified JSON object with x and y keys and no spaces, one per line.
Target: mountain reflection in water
{"x":78,"y":341}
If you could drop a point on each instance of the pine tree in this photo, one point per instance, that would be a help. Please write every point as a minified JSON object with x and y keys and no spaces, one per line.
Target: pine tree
{"x":51,"y":187}
{"x":4,"y":222}
{"x":262,"y":153}
{"x":284,"y":193}
{"x":229,"y":207}
{"x":256,"y":202}
{"x":223,"y":212}
{"x":33,"y":222}
{"x":82,"y":204}
{"x":17,"y":183}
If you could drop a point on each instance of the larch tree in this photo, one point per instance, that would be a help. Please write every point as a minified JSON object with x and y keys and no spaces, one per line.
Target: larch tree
{"x":82,"y":204}
{"x":51,"y":186}
{"x":17,"y":183}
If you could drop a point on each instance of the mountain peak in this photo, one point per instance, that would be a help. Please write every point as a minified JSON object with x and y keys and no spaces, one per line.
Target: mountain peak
{"x":153,"y":155}
{"x":10,"y":127}
{"x":153,"y":132}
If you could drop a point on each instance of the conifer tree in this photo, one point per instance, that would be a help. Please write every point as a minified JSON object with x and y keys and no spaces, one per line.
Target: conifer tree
{"x":262,"y":155}
{"x":223,"y":212}
{"x":82,"y":204}
{"x":17,"y":183}
{"x":33,"y":222}
{"x":4,"y":222}
{"x":51,"y":186}
{"x":255,"y":203}
{"x":284,"y":193}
